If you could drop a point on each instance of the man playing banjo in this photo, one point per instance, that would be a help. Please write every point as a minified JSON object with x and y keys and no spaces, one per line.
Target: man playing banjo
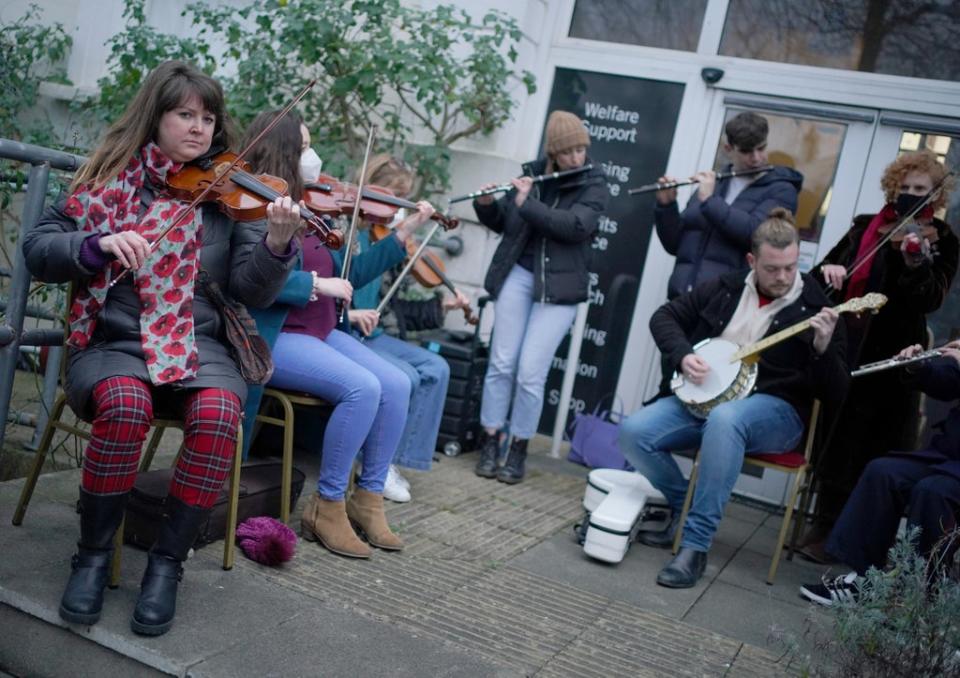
{"x":740,"y":308}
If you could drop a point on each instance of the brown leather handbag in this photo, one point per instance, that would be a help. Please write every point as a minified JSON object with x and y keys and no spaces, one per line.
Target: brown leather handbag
{"x":250,"y":351}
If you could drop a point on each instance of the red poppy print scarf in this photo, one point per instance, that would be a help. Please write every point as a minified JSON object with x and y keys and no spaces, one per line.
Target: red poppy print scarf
{"x":165,"y":281}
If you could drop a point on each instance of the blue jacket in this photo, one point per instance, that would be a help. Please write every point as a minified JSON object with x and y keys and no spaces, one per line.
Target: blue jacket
{"x":711,"y":238}
{"x":364,"y":268}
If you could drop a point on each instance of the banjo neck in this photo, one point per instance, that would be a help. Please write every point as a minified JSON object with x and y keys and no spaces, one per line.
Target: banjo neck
{"x":751,"y":353}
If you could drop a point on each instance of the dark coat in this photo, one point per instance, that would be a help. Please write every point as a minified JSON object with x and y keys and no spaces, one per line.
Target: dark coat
{"x":791,"y":370}
{"x":567,"y":226}
{"x":711,"y":238}
{"x":235,"y":256}
{"x":940,"y":378}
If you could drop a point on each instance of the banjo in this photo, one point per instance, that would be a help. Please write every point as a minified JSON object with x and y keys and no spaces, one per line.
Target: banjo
{"x":733,"y":369}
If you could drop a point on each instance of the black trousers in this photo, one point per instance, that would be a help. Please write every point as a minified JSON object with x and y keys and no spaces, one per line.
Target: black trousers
{"x":889,"y":488}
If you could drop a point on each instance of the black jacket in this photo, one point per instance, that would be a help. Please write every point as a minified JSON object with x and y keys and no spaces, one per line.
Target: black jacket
{"x":711,"y":238}
{"x":791,"y":370}
{"x":233,"y":253}
{"x":567,"y":225}
{"x":940,"y":378}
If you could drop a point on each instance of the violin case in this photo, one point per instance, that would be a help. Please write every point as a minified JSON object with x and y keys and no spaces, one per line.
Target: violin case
{"x":616,"y":504}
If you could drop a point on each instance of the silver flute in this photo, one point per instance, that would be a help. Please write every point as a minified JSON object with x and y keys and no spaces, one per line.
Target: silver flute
{"x":890,"y":363}
{"x":506,"y":187}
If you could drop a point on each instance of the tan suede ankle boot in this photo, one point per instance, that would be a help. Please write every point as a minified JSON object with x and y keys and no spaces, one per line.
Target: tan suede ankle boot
{"x":365,"y":510}
{"x":326,"y":521}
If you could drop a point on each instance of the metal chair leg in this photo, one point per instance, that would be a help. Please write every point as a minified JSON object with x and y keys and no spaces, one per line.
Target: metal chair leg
{"x":151,"y":450}
{"x":231,"y":535}
{"x":687,"y":501}
{"x":806,"y":498}
{"x":40,"y":457}
{"x":287,"y":470}
{"x":117,"y":555}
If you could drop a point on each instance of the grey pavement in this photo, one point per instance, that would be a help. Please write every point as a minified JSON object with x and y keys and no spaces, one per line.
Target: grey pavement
{"x":491,"y":583}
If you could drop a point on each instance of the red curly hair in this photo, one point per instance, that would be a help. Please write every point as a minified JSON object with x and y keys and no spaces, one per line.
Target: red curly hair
{"x":925,"y":162}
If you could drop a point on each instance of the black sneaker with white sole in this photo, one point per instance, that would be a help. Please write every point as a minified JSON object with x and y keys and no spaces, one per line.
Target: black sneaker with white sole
{"x":829,"y":591}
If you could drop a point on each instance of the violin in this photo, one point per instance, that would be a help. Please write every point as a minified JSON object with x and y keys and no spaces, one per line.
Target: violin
{"x":378,"y":205}
{"x":241,"y":195}
{"x":428,"y":269}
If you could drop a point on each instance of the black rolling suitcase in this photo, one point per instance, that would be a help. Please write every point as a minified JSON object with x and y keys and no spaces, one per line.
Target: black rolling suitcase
{"x":467,"y":357}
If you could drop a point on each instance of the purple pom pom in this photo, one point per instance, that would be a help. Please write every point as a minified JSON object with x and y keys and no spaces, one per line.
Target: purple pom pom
{"x":266,"y":540}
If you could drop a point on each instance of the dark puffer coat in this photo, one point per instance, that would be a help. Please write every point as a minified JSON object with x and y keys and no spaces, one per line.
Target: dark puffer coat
{"x":567,"y":226}
{"x":235,"y":256}
{"x":711,"y":238}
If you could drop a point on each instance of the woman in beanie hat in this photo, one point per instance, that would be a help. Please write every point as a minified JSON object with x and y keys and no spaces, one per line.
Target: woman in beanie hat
{"x":537,"y":277}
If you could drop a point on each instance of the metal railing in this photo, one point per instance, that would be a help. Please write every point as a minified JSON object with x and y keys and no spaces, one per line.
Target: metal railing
{"x":12,"y":335}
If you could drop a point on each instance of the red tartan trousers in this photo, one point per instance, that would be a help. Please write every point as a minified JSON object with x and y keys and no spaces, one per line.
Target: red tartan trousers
{"x":124,"y":409}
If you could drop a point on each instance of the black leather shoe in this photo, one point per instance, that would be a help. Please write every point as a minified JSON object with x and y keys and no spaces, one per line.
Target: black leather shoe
{"x":487,"y":464}
{"x":661,"y":539}
{"x":157,"y":603}
{"x":685,"y":570}
{"x":513,"y":468}
{"x":100,"y":516}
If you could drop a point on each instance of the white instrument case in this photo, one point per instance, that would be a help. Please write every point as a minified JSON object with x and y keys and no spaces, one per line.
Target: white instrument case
{"x":616,"y":504}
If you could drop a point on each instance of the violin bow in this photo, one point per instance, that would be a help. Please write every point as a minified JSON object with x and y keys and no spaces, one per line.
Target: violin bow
{"x":867,"y":256}
{"x":182,"y":214}
{"x":348,"y":255}
{"x":407,"y":268}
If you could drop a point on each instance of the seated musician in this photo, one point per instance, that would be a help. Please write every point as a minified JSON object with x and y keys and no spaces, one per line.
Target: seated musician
{"x":924,"y":485}
{"x":370,"y":395}
{"x":429,"y":373}
{"x":712,"y":234}
{"x":741,"y":308}
{"x":155,"y":336}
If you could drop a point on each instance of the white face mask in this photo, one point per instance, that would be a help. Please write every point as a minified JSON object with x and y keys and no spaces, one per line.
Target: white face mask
{"x":310,"y":165}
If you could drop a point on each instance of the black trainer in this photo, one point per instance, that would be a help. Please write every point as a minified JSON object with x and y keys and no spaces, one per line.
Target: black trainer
{"x":829,"y":591}
{"x":489,"y":452}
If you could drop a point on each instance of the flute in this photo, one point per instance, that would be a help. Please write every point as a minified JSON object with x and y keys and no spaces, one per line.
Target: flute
{"x":890,"y":363}
{"x":646,"y":188}
{"x":506,"y":187}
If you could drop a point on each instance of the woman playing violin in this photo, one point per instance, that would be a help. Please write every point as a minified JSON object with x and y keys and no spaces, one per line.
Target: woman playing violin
{"x":914,"y":270}
{"x":537,"y":276}
{"x":154,"y":339}
{"x":311,"y":354}
{"x":429,"y":374}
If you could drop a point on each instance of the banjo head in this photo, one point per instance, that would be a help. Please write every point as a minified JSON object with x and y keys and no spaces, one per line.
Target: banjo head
{"x":723,"y":373}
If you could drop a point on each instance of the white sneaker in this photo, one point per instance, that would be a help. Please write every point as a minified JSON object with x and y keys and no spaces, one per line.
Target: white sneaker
{"x":393,"y":486}
{"x":396,"y":472}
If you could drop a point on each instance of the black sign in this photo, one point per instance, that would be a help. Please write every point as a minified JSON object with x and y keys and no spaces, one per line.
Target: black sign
{"x":631,"y":123}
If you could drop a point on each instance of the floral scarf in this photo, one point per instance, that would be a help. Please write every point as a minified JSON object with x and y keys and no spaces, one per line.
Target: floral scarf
{"x":166,"y":280}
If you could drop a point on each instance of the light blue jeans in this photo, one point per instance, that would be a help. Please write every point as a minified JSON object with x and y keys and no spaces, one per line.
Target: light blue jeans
{"x":525,"y":337}
{"x":758,"y":423}
{"x":370,"y":398}
{"x":429,"y":376}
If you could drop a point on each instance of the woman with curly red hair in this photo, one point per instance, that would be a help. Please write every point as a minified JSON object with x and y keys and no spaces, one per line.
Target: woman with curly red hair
{"x":915,"y":274}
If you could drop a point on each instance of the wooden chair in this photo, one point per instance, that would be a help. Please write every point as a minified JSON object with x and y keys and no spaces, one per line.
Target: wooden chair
{"x":160,"y":425}
{"x":796,"y":463}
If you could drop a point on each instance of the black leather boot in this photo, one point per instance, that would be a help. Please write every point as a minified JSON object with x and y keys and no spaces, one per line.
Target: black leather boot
{"x":100,"y":515}
{"x":512,"y":470}
{"x":661,"y":539}
{"x":487,"y":463}
{"x":157,"y":603}
{"x":685,"y":570}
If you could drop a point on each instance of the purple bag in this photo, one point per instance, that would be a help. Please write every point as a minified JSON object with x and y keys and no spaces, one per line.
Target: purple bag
{"x":594,"y":439}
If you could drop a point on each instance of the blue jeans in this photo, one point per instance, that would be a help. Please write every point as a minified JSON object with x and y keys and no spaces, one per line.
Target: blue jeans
{"x":525,"y":337}
{"x":370,"y":398}
{"x":429,"y":376}
{"x":758,"y":423}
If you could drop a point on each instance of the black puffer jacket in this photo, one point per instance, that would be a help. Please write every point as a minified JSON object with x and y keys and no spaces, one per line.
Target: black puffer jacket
{"x":791,"y":370}
{"x":566,"y":225}
{"x":711,"y":238}
{"x":234,"y":255}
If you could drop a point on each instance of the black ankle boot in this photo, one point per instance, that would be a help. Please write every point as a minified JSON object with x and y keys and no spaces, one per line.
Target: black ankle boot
{"x":100,"y":515}
{"x":512,"y":470}
{"x":487,"y":464}
{"x":157,"y":603}
{"x":661,"y":539}
{"x":685,"y":570}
